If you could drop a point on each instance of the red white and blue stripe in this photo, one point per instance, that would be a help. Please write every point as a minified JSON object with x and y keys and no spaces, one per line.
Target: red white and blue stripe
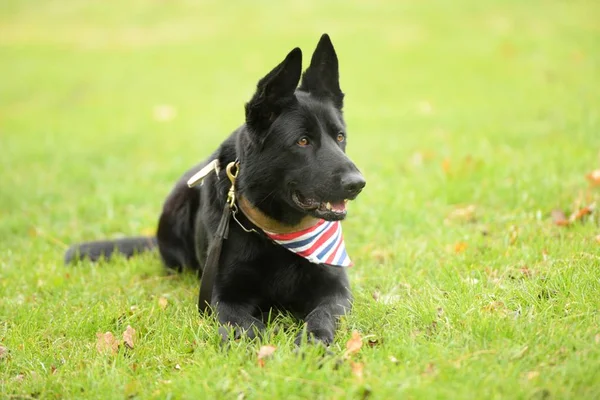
{"x":322,"y":243}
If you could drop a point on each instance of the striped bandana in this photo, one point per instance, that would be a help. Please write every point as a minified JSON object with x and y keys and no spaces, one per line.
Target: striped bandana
{"x":319,"y":244}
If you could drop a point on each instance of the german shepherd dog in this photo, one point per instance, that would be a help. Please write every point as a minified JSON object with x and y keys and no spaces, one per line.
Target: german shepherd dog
{"x":293,"y":173}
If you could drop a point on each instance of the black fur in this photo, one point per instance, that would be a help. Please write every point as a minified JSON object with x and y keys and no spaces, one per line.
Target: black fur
{"x":256,"y":275}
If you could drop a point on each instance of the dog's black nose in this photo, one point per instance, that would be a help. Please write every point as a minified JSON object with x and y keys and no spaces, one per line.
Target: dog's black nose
{"x":353,"y":183}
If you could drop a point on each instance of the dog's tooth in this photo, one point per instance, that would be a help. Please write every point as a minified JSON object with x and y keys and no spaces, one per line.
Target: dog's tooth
{"x":328,"y":206}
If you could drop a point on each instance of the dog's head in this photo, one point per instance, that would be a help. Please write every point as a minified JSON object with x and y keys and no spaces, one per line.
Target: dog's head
{"x":292,"y":152}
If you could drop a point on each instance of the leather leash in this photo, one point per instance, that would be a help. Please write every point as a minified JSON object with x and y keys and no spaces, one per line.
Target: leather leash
{"x":214,"y":252}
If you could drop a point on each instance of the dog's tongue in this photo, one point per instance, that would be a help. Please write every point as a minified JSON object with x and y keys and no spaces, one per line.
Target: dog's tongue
{"x":338,"y":207}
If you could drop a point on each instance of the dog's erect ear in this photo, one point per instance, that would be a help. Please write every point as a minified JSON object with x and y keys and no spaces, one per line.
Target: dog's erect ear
{"x":275,"y":91}
{"x":322,"y":77}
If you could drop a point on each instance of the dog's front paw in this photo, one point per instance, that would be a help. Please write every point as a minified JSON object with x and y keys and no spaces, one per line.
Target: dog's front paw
{"x":229,"y":332}
{"x":315,"y":336}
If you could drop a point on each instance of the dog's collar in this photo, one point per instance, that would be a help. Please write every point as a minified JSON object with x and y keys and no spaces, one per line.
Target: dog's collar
{"x":268,"y":224}
{"x":317,"y":240}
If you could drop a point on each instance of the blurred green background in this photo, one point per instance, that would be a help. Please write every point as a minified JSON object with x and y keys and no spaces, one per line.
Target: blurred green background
{"x":449,"y":104}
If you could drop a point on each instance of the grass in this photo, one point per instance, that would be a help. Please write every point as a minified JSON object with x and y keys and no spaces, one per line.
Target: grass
{"x":449,"y":104}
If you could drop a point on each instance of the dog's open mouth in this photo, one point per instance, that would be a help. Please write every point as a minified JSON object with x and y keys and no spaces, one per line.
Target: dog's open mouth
{"x":328,"y":210}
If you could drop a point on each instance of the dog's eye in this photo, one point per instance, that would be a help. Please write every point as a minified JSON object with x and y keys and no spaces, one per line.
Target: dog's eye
{"x":341,"y":137}
{"x":303,"y":141}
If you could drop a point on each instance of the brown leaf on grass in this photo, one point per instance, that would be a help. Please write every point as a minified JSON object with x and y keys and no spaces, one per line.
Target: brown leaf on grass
{"x":107,"y":343}
{"x":430,"y":369}
{"x":265,"y":352}
{"x":128,"y":336}
{"x":376,"y":295}
{"x":594,"y":177}
{"x":559,"y":218}
{"x":354,"y":344}
{"x":581,"y":213}
{"x":357,"y":369}
{"x":545,"y":255}
{"x":525,"y":271}
{"x":464,"y":214}
{"x":460,"y":247}
{"x":163,"y":302}
{"x":3,"y":352}
{"x":532,"y":375}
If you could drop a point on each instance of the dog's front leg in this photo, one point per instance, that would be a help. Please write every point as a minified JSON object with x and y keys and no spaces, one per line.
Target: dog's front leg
{"x":239,"y":318}
{"x":322,"y":320}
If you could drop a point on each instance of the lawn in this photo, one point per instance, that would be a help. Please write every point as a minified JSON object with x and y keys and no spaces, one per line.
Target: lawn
{"x":472,"y":122}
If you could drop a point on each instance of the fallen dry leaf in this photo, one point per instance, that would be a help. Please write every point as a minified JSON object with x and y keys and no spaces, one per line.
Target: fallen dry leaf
{"x":581,"y":213}
{"x":128,"y":336}
{"x":357,"y":369}
{"x":264,"y":352}
{"x":545,"y":255}
{"x":3,"y":352}
{"x":526,"y":272}
{"x":594,"y":177}
{"x":430,"y":369}
{"x":376,"y":294}
{"x":532,"y":375}
{"x":163,"y":302}
{"x":559,"y":218}
{"x":463,"y":214}
{"x":354,"y":344}
{"x":460,"y":247}
{"x":107,"y":343}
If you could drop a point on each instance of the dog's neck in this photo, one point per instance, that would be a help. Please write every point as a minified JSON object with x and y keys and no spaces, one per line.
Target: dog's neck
{"x":268,"y":224}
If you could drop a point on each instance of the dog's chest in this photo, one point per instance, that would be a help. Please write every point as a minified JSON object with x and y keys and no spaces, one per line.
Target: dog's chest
{"x":295,"y":283}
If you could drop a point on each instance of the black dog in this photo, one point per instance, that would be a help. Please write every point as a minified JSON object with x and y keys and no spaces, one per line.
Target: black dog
{"x":293,"y":176}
